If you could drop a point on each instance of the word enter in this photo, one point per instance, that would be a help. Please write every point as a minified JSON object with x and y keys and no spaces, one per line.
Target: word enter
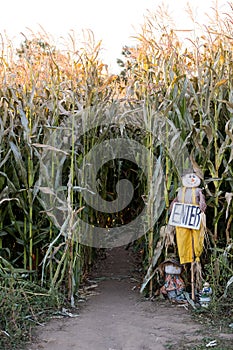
{"x":185,"y":215}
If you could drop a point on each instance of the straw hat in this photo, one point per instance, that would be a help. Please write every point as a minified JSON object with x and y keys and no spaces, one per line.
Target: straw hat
{"x":171,"y":261}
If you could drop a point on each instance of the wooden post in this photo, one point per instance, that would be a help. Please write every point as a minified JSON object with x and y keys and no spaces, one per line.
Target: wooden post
{"x":192,"y":270}
{"x":192,"y":280}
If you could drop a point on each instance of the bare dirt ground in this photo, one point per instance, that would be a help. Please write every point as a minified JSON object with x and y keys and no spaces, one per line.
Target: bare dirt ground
{"x":117,"y":317}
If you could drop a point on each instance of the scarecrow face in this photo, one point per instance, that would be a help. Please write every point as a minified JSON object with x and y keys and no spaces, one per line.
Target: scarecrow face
{"x":190,"y":180}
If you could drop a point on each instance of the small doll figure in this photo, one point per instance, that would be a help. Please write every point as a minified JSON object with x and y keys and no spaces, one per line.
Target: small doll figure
{"x":190,"y":241}
{"x":207,"y":290}
{"x":205,"y":295}
{"x":173,"y":286}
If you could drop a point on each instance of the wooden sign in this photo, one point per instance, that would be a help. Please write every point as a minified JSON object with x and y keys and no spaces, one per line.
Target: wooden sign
{"x":185,"y":215}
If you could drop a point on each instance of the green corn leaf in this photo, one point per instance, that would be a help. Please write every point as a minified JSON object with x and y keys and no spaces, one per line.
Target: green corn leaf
{"x":19,"y":162}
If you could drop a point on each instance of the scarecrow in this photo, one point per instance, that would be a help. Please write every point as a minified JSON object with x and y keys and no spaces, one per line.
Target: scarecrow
{"x":173,"y":286}
{"x":187,"y":214}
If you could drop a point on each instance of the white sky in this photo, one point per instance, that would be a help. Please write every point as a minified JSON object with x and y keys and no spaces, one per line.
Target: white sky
{"x":113,"y":22}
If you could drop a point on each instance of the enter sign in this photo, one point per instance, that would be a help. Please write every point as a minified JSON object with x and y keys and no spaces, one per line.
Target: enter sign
{"x":185,"y":215}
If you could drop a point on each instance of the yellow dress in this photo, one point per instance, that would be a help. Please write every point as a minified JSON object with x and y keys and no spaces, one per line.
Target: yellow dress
{"x":190,"y":242}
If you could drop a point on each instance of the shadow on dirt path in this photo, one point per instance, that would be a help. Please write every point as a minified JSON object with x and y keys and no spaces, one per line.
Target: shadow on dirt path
{"x":118,"y":318}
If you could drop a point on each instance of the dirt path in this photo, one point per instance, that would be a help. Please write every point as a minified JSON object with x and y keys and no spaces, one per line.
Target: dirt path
{"x":118,"y":318}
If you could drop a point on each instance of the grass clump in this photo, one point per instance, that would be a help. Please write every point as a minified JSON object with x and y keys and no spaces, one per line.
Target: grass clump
{"x":23,"y":304}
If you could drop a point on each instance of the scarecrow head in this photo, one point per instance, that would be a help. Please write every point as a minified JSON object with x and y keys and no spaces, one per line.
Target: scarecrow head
{"x":190,"y":179}
{"x":171,"y":266}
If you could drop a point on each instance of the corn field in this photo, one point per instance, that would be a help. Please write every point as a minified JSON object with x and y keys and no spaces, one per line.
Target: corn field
{"x":190,"y":87}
